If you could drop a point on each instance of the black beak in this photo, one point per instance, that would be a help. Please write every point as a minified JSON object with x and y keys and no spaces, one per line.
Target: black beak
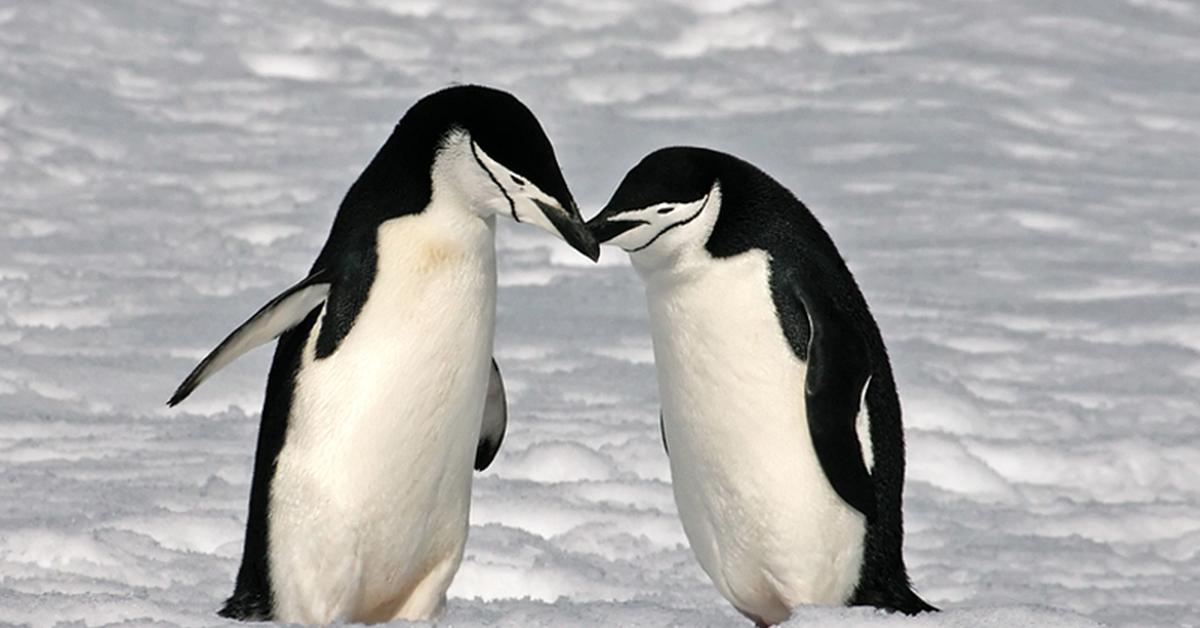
{"x":606,"y":226}
{"x":570,"y":226}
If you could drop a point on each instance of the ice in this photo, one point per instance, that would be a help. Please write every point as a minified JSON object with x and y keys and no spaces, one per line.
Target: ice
{"x":738,"y":31}
{"x":290,"y":66}
{"x":551,"y":462}
{"x":1013,"y":184}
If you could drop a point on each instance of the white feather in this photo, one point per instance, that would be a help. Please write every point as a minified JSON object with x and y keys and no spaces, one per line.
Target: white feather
{"x":370,"y":500}
{"x":862,"y":426}
{"x":763,"y":520}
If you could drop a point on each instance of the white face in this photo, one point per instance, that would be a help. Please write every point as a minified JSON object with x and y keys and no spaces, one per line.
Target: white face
{"x":519,"y":197}
{"x":664,"y":233}
{"x":489,"y":188}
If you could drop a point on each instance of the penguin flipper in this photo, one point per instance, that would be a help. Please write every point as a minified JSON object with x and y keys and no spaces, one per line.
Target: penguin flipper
{"x":839,"y":369}
{"x":277,"y":316}
{"x":495,"y":420}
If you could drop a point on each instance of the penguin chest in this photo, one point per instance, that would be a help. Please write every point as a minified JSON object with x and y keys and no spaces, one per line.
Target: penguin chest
{"x":371,"y":491}
{"x":762,"y":518}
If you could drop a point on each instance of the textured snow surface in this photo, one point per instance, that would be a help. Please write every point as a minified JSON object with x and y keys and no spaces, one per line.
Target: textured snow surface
{"x":1013,"y":183}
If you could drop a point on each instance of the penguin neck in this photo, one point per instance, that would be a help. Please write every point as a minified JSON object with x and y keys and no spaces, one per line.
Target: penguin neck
{"x":452,"y":216}
{"x":446,"y":254}
{"x":459,"y":184}
{"x":680,"y":255}
{"x":414,"y":164}
{"x":453,"y":220}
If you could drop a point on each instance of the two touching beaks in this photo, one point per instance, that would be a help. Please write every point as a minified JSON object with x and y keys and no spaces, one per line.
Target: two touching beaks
{"x":290,"y":307}
{"x":572,"y":229}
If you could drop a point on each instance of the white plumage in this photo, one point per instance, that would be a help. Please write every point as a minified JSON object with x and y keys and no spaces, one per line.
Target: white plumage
{"x":763,"y":520}
{"x":372,"y":490}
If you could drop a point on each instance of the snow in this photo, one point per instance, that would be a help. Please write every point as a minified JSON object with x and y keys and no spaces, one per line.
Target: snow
{"x":1013,"y":183}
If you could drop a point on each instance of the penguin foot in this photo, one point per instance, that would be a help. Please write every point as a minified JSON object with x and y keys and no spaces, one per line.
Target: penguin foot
{"x":246,"y":606}
{"x":901,"y":599}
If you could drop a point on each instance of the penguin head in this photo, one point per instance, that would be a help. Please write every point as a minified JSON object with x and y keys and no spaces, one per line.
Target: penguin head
{"x":490,"y":152}
{"x":664,"y":208}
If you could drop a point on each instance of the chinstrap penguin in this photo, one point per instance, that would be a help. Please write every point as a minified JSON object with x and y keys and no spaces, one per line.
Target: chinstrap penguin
{"x":383,"y":395}
{"x":779,"y":411}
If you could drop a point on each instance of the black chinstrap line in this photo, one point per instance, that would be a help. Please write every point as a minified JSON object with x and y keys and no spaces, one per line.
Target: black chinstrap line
{"x":678,"y":224}
{"x":512,"y":206}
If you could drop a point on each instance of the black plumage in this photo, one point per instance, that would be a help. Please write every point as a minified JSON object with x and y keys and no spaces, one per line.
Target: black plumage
{"x":827,"y":323}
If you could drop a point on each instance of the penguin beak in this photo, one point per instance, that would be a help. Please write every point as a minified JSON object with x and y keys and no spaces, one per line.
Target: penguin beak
{"x":606,"y":226}
{"x":571,"y":228}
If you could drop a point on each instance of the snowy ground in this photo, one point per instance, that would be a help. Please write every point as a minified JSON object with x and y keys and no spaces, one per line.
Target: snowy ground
{"x":1013,"y":183}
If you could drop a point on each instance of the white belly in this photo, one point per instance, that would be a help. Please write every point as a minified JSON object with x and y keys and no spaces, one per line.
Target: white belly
{"x":763,"y":520}
{"x":370,"y":499}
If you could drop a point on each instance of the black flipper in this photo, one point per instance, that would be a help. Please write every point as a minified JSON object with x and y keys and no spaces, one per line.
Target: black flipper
{"x":279,"y":315}
{"x":839,"y":367}
{"x":495,"y":420}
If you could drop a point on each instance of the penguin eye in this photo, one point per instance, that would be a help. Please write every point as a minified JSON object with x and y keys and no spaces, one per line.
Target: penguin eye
{"x":516,"y":179}
{"x":667,"y":210}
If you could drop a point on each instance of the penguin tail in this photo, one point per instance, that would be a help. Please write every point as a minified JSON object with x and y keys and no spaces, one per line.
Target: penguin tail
{"x":246,"y":605}
{"x":897,"y":598}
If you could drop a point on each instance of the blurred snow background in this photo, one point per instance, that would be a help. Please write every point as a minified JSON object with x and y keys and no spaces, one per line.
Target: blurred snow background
{"x":1013,"y":183}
